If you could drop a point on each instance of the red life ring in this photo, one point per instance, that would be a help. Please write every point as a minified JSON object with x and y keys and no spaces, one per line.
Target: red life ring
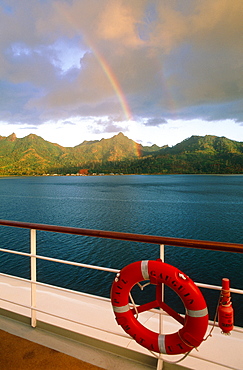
{"x":196,"y":318}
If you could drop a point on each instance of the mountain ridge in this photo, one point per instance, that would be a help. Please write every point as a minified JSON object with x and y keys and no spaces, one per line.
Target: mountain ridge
{"x":32,"y":155}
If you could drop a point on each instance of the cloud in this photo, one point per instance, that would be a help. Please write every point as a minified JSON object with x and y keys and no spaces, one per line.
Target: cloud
{"x":155,"y":122}
{"x":28,"y":128}
{"x":118,"y":20}
{"x":69,"y":123}
{"x":63,"y":59}
{"x":106,"y":126}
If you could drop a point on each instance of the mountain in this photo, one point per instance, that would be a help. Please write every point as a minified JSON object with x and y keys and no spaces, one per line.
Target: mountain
{"x":117,"y":148}
{"x":197,"y":154}
{"x":207,"y":144}
{"x":28,"y":155}
{"x":33,"y":155}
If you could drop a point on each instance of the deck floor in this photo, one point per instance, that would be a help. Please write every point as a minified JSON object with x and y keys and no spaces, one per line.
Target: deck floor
{"x":21,"y":354}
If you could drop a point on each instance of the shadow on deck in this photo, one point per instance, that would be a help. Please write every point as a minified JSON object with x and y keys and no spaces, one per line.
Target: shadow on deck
{"x":21,"y":354}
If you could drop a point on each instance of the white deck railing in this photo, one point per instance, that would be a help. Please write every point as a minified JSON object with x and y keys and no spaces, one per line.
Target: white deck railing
{"x":229,"y":247}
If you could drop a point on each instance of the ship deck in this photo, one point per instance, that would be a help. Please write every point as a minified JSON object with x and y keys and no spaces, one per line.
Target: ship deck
{"x":22,"y":354}
{"x":23,"y":347}
{"x":84,"y":328}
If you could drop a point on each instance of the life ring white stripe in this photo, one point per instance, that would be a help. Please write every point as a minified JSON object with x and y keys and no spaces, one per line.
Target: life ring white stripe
{"x":121,"y":309}
{"x":161,"y":344}
{"x":144,"y":270}
{"x":197,"y":313}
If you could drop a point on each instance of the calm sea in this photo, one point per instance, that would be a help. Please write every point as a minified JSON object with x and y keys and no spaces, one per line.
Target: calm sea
{"x":206,"y":207}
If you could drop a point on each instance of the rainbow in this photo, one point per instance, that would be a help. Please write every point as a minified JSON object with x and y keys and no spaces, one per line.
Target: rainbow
{"x":113,"y":81}
{"x":64,"y":12}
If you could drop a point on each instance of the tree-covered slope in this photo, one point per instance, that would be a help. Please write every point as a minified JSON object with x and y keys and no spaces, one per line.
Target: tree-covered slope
{"x":198,"y":154}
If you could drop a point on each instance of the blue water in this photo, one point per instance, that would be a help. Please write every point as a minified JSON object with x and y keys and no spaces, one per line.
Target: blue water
{"x":206,"y":207}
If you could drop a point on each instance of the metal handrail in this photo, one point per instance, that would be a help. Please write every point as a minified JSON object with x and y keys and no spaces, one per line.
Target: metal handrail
{"x":178,"y":242}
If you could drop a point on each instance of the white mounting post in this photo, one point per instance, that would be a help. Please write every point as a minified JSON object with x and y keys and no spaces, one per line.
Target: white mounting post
{"x":33,"y":276}
{"x":160,"y":359}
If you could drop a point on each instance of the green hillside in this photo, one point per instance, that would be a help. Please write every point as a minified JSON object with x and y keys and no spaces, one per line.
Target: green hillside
{"x":208,"y":145}
{"x":117,"y":148}
{"x":28,"y":155}
{"x":33,"y":155}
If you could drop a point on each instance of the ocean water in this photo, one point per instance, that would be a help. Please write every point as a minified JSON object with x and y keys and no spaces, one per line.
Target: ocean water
{"x":205,"y":207}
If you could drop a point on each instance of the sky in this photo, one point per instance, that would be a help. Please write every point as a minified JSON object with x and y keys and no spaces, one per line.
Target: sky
{"x":159,"y":71}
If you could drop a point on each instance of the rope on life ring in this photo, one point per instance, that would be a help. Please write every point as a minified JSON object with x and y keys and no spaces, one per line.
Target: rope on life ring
{"x":194,"y":323}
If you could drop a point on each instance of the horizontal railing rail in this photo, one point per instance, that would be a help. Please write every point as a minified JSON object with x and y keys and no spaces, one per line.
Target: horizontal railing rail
{"x":177,"y":242}
{"x":94,"y":267}
{"x":65,"y":262}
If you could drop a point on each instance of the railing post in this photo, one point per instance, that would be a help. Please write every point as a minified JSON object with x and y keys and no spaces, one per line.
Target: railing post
{"x":33,"y":275}
{"x":160,"y":358}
